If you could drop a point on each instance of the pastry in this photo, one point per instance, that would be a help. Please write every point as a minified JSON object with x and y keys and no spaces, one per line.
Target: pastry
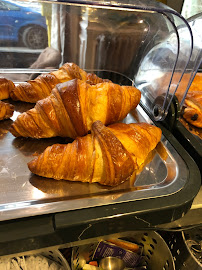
{"x":5,"y":87}
{"x":6,"y":110}
{"x":41,"y":87}
{"x":109,"y":155}
{"x":192,"y":109}
{"x":73,"y":106}
{"x":196,"y":84}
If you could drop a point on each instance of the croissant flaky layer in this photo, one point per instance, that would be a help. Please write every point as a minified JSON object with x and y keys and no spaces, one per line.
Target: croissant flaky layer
{"x":5,"y":87}
{"x":192,"y":112}
{"x":6,"y":110}
{"x":73,"y":106}
{"x":41,"y":87}
{"x":109,"y":155}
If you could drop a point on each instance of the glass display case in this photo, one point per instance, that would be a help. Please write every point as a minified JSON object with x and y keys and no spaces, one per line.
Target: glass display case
{"x":134,"y":43}
{"x":186,"y":130}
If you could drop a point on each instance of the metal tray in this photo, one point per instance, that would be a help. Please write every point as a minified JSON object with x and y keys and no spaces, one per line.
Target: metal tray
{"x":189,"y":140}
{"x":23,"y":194}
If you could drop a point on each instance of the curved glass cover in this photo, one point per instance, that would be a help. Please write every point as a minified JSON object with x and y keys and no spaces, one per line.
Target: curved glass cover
{"x":195,"y":62}
{"x":147,"y":42}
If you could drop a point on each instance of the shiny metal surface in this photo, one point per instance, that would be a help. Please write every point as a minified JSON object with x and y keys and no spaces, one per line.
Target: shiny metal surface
{"x":111,"y":263}
{"x":23,"y":194}
{"x":185,"y":248}
{"x":156,"y":254}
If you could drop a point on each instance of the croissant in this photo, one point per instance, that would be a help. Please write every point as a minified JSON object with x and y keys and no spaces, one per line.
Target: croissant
{"x":196,"y":84}
{"x":192,"y":111}
{"x":73,"y":106}
{"x":41,"y":87}
{"x":5,"y":87}
{"x":109,"y":155}
{"x":6,"y":110}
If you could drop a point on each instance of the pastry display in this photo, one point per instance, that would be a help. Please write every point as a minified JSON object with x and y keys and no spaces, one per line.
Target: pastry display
{"x":109,"y":155}
{"x":5,"y":87}
{"x":192,"y":107}
{"x":6,"y":110}
{"x":191,"y":113}
{"x":73,"y":106}
{"x":41,"y":87}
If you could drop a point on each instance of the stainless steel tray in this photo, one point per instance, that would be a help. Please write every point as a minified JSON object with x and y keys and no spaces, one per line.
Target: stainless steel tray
{"x":23,"y":194}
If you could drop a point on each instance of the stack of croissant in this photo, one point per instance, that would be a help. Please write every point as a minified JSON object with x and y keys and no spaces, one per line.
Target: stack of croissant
{"x":79,"y":105}
{"x":6,"y":109}
{"x":34,"y":90}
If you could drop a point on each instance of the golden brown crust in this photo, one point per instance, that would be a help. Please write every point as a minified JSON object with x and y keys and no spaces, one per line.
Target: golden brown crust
{"x":5,"y":87}
{"x":192,"y":111}
{"x":6,"y":110}
{"x":192,"y":108}
{"x":138,"y":138}
{"x":197,"y":82}
{"x":41,"y":87}
{"x":92,"y":78}
{"x":119,"y":164}
{"x":192,"y":129}
{"x":107,"y":155}
{"x":73,"y":106}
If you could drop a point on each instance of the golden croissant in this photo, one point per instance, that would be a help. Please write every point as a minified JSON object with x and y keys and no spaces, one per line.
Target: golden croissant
{"x":6,"y":110}
{"x":5,"y":87}
{"x":41,"y":87}
{"x":73,"y":106}
{"x":196,"y":84}
{"x":109,"y":155}
{"x":192,"y":111}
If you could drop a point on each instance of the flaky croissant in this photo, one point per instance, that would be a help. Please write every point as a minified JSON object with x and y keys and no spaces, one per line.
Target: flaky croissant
{"x":73,"y":106}
{"x":109,"y":155}
{"x":41,"y":87}
{"x":192,"y":111}
{"x":5,"y":87}
{"x":6,"y":110}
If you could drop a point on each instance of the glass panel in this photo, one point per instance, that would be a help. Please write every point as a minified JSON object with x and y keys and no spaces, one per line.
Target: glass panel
{"x":195,"y":23}
{"x":147,"y":42}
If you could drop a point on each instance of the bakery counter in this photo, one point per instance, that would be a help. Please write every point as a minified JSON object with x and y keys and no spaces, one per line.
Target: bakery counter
{"x":36,"y":213}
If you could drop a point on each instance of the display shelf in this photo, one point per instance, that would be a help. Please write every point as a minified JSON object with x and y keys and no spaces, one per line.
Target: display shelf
{"x":34,"y":216}
{"x":76,"y":226}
